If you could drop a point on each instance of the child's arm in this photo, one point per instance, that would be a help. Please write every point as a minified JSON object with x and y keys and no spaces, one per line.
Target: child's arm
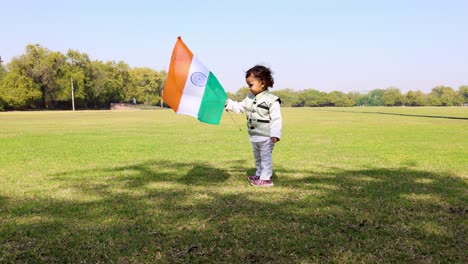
{"x":276,"y":122}
{"x":236,"y":107}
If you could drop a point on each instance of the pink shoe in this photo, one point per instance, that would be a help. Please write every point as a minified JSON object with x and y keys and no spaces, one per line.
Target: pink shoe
{"x":262,"y":183}
{"x":254,"y":178}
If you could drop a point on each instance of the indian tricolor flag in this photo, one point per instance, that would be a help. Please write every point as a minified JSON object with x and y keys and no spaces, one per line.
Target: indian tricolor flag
{"x":191,"y":88}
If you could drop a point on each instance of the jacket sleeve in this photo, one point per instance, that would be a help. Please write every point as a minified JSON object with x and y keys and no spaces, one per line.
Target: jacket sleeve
{"x":236,"y":107}
{"x":276,"y":121}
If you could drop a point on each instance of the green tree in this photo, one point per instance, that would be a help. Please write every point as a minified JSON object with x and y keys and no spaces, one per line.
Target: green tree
{"x":392,"y":97}
{"x":108,"y":83}
{"x":2,"y":103}
{"x":323,"y":99}
{"x":241,"y":94}
{"x":45,"y":68}
{"x":79,"y":69}
{"x":362,"y":100}
{"x":2,"y":70}
{"x":19,"y":92}
{"x":375,"y":97}
{"x":288,"y":97}
{"x":309,"y":97}
{"x":146,"y":85}
{"x":353,"y":96}
{"x":230,"y":95}
{"x":2,"y":73}
{"x":337,"y":98}
{"x":433,"y":100}
{"x":444,"y":96}
{"x":119,"y":81}
{"x":417,"y":98}
{"x":463,"y":93}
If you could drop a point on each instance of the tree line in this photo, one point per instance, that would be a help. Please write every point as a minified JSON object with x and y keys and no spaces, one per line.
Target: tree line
{"x":439,"y":96}
{"x":41,"y":79}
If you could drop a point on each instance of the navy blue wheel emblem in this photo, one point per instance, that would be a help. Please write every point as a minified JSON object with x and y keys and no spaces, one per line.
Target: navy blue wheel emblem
{"x":199,"y":79}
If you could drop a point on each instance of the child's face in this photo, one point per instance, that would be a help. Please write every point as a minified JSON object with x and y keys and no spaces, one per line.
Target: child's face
{"x":255,"y":85}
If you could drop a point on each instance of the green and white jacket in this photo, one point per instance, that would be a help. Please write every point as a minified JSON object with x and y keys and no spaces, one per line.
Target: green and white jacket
{"x":263,"y":114}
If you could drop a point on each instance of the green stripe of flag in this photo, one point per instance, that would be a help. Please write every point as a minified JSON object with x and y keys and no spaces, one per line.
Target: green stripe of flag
{"x":212,"y":104}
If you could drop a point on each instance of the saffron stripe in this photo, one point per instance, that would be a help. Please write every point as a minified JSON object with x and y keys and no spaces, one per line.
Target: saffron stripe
{"x":181,"y":60}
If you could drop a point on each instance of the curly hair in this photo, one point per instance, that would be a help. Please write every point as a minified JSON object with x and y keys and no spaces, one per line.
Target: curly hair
{"x":262,"y":73}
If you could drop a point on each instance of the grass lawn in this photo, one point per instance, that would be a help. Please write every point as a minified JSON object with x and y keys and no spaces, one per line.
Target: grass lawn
{"x":351,"y":185}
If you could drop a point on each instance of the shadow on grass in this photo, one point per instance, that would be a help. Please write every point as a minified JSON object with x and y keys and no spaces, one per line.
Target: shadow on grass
{"x":165,"y":211}
{"x":3,"y":200}
{"x":399,"y":114}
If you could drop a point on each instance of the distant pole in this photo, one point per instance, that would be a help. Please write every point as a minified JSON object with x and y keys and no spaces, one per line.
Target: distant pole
{"x":73,"y":94}
{"x":160,"y":88}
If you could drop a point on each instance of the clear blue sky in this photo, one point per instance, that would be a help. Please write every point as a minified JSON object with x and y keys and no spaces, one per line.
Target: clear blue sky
{"x":329,"y":45}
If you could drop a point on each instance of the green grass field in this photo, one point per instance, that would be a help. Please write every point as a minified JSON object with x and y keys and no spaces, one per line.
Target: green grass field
{"x":156,"y":187}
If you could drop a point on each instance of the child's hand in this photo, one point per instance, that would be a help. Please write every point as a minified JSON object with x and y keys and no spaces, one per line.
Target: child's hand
{"x":274,"y":139}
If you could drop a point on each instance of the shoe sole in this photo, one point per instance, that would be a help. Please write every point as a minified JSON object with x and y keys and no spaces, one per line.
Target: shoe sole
{"x":269,"y":185}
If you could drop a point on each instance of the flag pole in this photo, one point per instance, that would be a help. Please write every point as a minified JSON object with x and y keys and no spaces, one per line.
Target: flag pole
{"x":233,"y":120}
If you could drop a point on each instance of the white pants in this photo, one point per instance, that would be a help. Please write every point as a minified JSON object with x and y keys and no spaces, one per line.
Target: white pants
{"x":263,"y":158}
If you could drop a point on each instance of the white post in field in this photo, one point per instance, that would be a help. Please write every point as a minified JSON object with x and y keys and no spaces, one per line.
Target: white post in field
{"x":73,"y":94}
